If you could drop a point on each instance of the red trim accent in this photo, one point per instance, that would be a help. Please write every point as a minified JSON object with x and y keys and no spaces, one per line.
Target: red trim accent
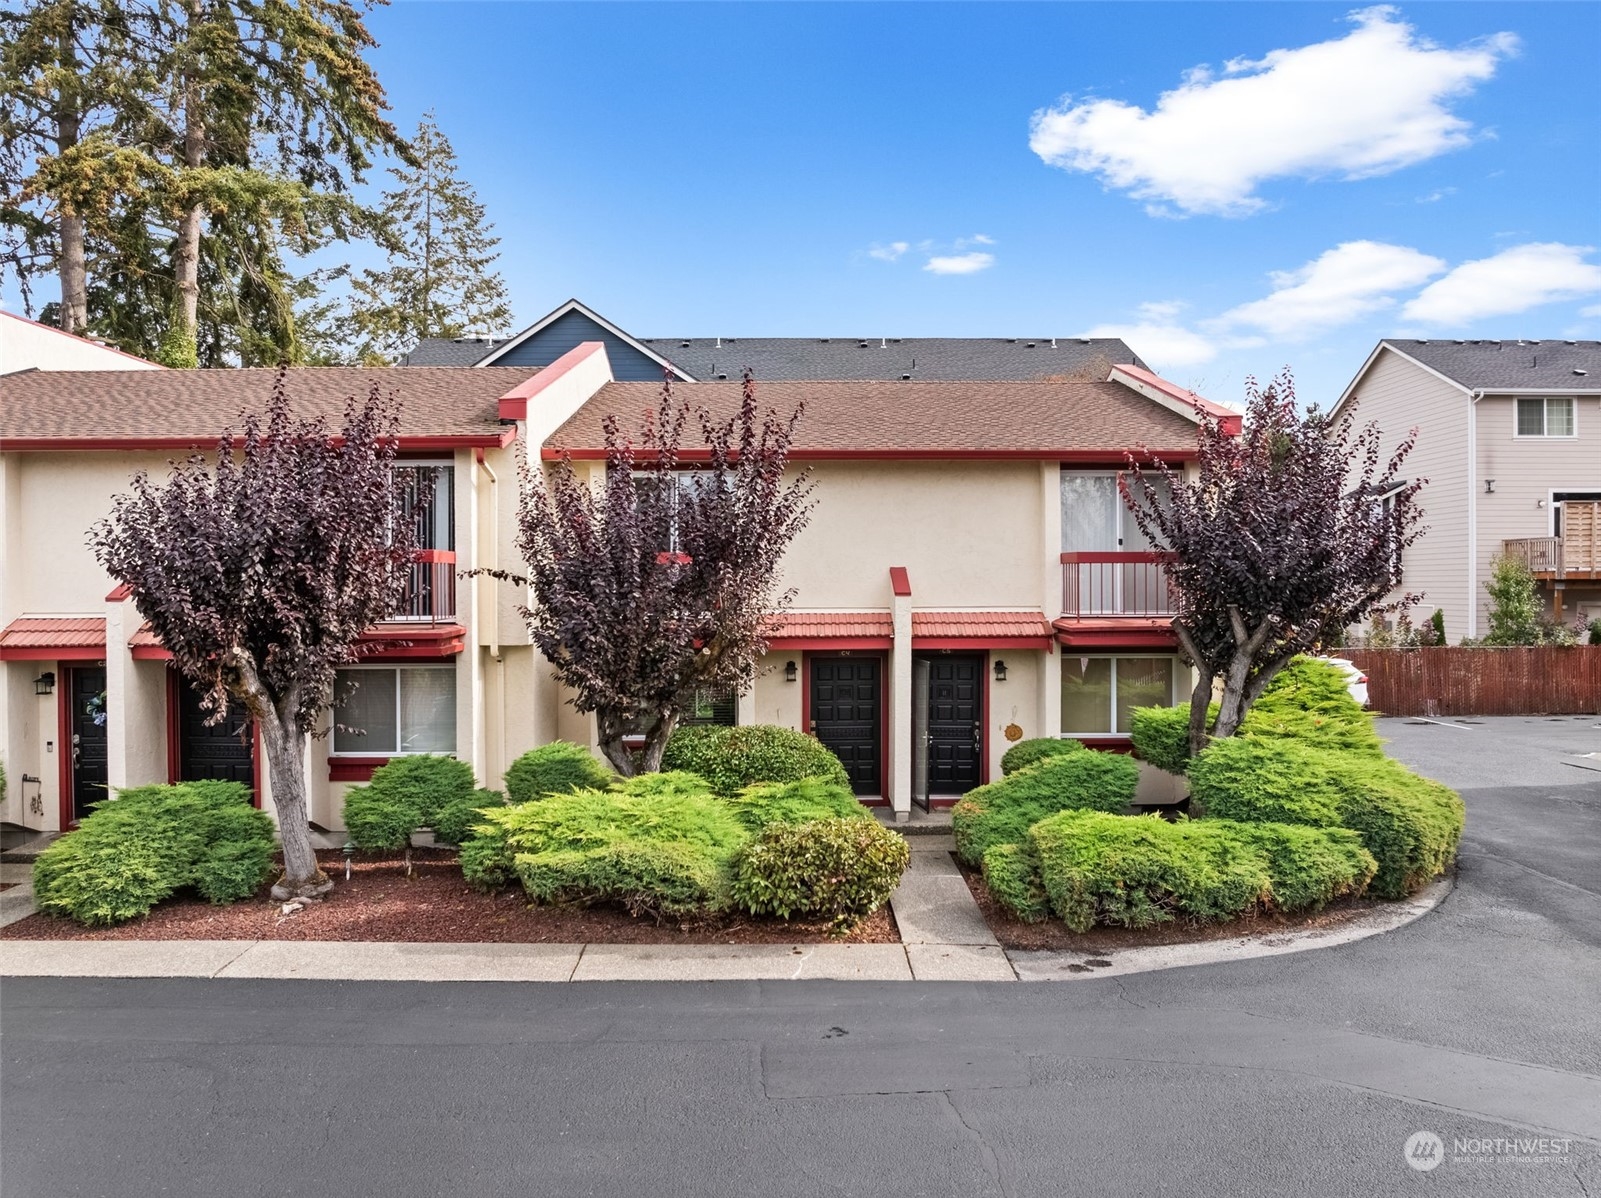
{"x":174,"y":733}
{"x":354,"y":769}
{"x":1144,"y":455}
{"x":1230,"y":420}
{"x":1118,"y":558}
{"x":1018,"y":643}
{"x":497,"y":440}
{"x":150,"y":653}
{"x":64,"y":740}
{"x":984,"y":730}
{"x":47,"y":652}
{"x":514,"y":404}
{"x":899,"y":581}
{"x":384,"y":641}
{"x":822,"y":643}
{"x":1127,"y":635}
{"x":120,"y":592}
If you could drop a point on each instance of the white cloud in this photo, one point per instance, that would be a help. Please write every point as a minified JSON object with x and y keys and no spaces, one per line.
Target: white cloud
{"x":1368,"y":103}
{"x":1346,"y":283}
{"x":1162,"y":343}
{"x":1438,"y":194}
{"x":960,"y":264}
{"x":1512,"y":281}
{"x":888,"y":253}
{"x":961,"y":243}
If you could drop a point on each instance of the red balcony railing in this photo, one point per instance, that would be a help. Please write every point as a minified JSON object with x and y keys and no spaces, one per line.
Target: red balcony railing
{"x":1116,"y":584}
{"x":430,"y":595}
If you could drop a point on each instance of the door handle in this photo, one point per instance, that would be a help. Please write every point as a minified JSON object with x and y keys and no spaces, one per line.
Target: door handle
{"x":813,"y":727}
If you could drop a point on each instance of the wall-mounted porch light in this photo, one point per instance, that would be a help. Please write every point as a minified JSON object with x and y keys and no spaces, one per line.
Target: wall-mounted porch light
{"x":791,"y":671}
{"x":45,"y":684}
{"x":1000,"y":671}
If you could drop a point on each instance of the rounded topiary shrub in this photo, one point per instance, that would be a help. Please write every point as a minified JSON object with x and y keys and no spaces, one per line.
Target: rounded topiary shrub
{"x":1161,"y":735}
{"x":1012,"y":874}
{"x":1412,"y":825}
{"x":1002,"y":812}
{"x":660,"y":854}
{"x":457,"y":819}
{"x":733,"y":758}
{"x":133,"y":851}
{"x":795,"y":803}
{"x":557,"y":768}
{"x":1031,"y":752}
{"x":426,"y":782}
{"x":837,"y":869}
{"x":1136,"y":871}
{"x":378,"y":821}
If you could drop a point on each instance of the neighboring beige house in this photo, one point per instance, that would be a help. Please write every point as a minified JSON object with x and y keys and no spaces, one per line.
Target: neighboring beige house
{"x":1509,"y":438}
{"x":969,"y":576}
{"x":29,"y":345}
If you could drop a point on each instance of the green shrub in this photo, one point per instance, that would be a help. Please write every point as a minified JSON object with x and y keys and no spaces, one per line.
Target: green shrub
{"x":456,"y":819}
{"x":1161,"y":735}
{"x":668,"y":783}
{"x":1137,"y":871}
{"x":663,"y":854}
{"x":733,"y":758}
{"x":1002,"y":812}
{"x":839,"y":869}
{"x":1012,"y":874}
{"x":133,"y":851}
{"x":1031,"y":752}
{"x":1308,"y":701}
{"x":1412,"y":825}
{"x":486,"y":861}
{"x":557,"y":768}
{"x":378,"y":820}
{"x":795,"y":803}
{"x":427,"y":782}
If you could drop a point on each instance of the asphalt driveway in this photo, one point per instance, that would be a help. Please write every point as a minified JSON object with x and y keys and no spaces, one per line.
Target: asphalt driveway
{"x":1300,"y":1075}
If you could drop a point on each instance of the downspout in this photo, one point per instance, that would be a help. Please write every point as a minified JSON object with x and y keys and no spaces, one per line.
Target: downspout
{"x":1473,"y":512}
{"x":492,"y":553}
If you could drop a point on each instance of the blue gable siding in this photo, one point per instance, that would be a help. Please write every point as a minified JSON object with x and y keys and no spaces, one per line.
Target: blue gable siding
{"x":571,"y":329}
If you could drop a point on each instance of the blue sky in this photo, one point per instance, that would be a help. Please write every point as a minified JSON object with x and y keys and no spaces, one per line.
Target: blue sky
{"x":879,"y":170}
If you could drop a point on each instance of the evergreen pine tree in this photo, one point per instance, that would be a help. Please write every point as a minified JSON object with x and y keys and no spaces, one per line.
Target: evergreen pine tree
{"x":439,"y":280}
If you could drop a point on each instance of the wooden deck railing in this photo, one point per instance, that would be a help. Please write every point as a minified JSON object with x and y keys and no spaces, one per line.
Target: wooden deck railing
{"x":1539,"y":555}
{"x":1116,"y":584}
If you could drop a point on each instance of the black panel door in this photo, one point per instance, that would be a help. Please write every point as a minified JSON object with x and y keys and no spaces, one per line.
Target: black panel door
{"x":846,"y":716}
{"x":222,"y":752}
{"x":955,"y":712}
{"x":88,"y":748}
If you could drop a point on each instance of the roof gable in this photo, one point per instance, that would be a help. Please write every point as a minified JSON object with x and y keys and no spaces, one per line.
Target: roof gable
{"x":569,"y":326}
{"x":1498,"y":367}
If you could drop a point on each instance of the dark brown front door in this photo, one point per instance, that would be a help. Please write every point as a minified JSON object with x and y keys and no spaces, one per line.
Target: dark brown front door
{"x":846,"y":716}
{"x":88,"y":747}
{"x":224,"y":752}
{"x":955,"y":722}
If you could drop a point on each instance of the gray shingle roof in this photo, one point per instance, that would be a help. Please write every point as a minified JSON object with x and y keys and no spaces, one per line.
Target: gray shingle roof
{"x":923,"y":358}
{"x":776,"y":358}
{"x":443,"y":351}
{"x":1510,"y":365}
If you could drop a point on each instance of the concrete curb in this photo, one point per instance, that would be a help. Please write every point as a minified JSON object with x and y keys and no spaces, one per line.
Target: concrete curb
{"x":1071,"y":966}
{"x":434,"y":962}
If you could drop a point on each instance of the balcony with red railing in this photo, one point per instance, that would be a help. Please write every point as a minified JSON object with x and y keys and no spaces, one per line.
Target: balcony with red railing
{"x":1122,"y":599}
{"x":430,"y":594}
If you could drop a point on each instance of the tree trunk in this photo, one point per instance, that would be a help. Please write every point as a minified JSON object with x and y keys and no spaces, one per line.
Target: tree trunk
{"x":610,"y":725}
{"x":74,"y":316}
{"x":186,"y":253}
{"x":285,"y":742}
{"x":656,"y":743}
{"x":1200,"y":704}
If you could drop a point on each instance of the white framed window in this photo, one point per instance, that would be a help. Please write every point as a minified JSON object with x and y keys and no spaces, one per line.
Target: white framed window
{"x":390,"y":711}
{"x":1551,"y":416}
{"x":1099,"y":694}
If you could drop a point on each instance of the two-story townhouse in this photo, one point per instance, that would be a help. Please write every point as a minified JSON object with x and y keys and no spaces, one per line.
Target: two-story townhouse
{"x":969,"y":577}
{"x":1509,"y":438}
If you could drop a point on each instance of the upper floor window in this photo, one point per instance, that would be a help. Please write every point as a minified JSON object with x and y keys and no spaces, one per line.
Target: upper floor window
{"x":427,"y":494}
{"x":1549,"y":417}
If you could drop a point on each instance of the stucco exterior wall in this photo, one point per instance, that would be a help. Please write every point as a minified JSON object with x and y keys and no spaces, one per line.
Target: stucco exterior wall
{"x":1399,"y":395}
{"x":969,"y":533}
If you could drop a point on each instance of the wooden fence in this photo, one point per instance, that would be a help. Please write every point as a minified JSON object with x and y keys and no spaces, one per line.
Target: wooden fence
{"x":1456,"y":681}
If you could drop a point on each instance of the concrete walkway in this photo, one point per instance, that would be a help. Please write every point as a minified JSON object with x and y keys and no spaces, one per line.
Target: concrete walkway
{"x":941,"y":926}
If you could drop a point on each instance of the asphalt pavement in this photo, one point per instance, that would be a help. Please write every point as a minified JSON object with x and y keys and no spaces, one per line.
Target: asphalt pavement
{"x":1303,"y":1074}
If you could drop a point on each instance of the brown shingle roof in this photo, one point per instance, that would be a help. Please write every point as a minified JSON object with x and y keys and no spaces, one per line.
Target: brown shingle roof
{"x":75,"y":407}
{"x":919,"y":419}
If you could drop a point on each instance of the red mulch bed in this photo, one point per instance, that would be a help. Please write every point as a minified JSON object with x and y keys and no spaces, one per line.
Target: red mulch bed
{"x":381,"y":903}
{"x":1054,"y":935}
